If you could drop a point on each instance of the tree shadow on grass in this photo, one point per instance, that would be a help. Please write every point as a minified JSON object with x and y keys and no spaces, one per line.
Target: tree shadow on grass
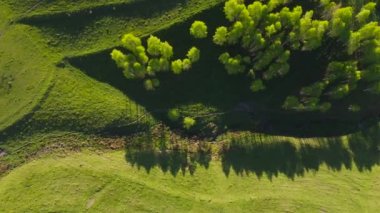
{"x":161,"y":148}
{"x":268,"y":156}
{"x":272,"y":156}
{"x":271,"y":159}
{"x":173,"y":161}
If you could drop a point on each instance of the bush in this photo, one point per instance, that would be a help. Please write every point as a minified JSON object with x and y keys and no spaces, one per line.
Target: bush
{"x":188,"y":122}
{"x":194,"y":54}
{"x":199,"y":29}
{"x":144,"y":63}
{"x":174,"y":115}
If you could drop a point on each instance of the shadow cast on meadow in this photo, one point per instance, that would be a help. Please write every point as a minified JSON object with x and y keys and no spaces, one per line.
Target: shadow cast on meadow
{"x":268,"y":156}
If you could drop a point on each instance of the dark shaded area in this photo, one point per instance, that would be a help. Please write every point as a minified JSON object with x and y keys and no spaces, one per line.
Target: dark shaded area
{"x":158,"y":147}
{"x":270,"y":158}
{"x":173,"y":161}
{"x":282,"y":157}
{"x":365,"y":147}
{"x":209,"y":84}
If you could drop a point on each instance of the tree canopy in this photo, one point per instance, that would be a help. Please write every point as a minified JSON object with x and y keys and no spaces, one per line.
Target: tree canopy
{"x":260,"y":39}
{"x":145,"y":62}
{"x":268,"y":32}
{"x":199,"y":29}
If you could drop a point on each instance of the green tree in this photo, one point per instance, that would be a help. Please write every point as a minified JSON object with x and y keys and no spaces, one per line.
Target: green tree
{"x":177,"y":66}
{"x":199,"y":29}
{"x":221,"y":36}
{"x":233,"y":65}
{"x":194,"y":54}
{"x":188,"y":122}
{"x":131,"y":42}
{"x":263,"y":34}
{"x":257,"y":86}
{"x":233,"y":9}
{"x":365,"y":13}
{"x":174,"y":114}
{"x":154,"y":46}
{"x":145,"y":63}
{"x":341,"y":22}
{"x":186,"y":64}
{"x":292,"y":103}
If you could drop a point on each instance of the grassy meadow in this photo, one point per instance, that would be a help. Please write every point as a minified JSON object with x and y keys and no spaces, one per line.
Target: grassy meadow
{"x":99,"y":182}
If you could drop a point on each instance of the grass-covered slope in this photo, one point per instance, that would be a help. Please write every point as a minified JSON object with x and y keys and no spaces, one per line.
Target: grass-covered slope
{"x":37,"y":86}
{"x":21,"y":7}
{"x":97,"y":28}
{"x":100,"y":182}
{"x":25,"y":73}
{"x":79,"y":103}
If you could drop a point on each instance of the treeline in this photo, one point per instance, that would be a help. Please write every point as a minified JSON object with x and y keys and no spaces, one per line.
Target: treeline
{"x":269,"y":31}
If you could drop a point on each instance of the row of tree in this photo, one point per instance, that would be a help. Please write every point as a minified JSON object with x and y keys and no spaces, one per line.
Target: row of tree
{"x":357,"y":29}
{"x":267,"y":34}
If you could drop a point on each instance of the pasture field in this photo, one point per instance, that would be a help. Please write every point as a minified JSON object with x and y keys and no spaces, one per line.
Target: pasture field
{"x":99,"y":182}
{"x":76,"y":135}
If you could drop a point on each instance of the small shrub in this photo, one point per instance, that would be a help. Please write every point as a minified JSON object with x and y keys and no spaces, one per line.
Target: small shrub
{"x":174,"y":114}
{"x":199,"y":29}
{"x":188,"y":122}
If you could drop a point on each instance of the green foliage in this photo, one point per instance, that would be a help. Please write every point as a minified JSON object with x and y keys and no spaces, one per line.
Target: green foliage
{"x":291,"y":102}
{"x":257,"y":86}
{"x":194,"y":54}
{"x":154,"y":46}
{"x":233,"y":9}
{"x":340,"y":79}
{"x":131,"y":42}
{"x":151,"y":84}
{"x":312,"y":31}
{"x":166,"y":50}
{"x":363,"y":15}
{"x":315,"y":90}
{"x":341,"y":22}
{"x":233,"y":65}
{"x":177,"y":66}
{"x":221,"y":35}
{"x":236,"y":33}
{"x":145,"y":63}
{"x":273,"y":4}
{"x":174,"y":114}
{"x":267,"y":37}
{"x":267,"y":33}
{"x":199,"y":29}
{"x":186,"y":64}
{"x":188,"y":123}
{"x":340,"y":91}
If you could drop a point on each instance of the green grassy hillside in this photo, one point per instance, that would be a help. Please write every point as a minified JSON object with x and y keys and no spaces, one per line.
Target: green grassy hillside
{"x":39,"y":90}
{"x":100,"y":182}
{"x":25,"y":73}
{"x":93,"y":29}
{"x":64,"y":104}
